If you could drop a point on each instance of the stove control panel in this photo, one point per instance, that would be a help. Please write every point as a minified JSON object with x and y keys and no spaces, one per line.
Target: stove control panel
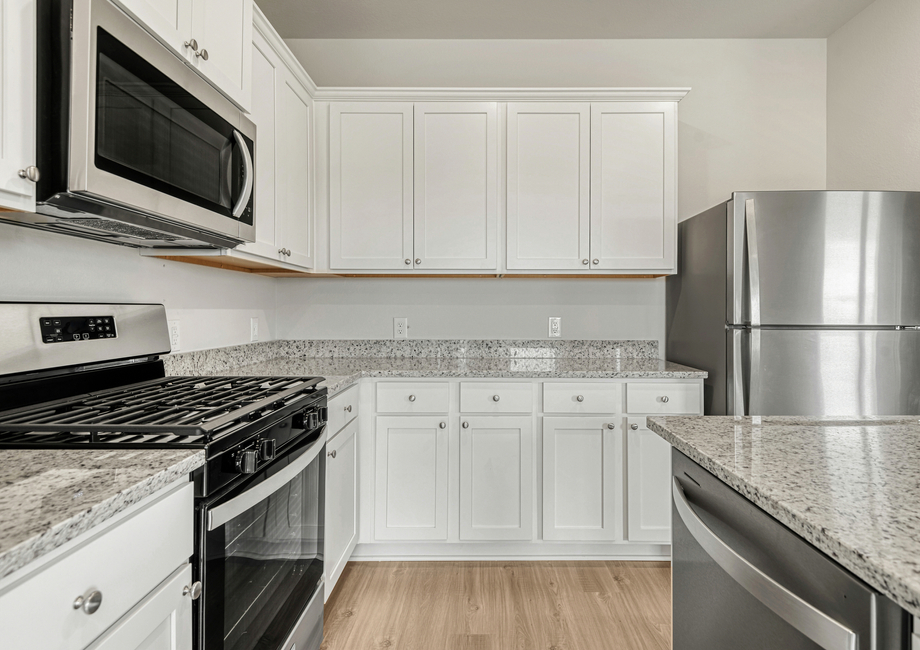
{"x":71,"y":329}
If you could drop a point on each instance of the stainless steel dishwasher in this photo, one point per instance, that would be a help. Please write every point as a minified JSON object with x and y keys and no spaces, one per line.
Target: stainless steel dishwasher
{"x":743,"y":581}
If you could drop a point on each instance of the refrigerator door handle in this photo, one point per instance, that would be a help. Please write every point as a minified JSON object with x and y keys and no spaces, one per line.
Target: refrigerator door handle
{"x":737,"y":374}
{"x":753,"y":260}
{"x":755,"y":374}
{"x":800,"y":614}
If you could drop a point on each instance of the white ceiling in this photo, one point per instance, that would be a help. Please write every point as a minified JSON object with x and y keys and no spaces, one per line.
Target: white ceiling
{"x":574,"y":19}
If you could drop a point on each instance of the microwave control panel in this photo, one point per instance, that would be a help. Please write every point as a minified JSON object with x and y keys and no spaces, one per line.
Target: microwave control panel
{"x":72,"y":329}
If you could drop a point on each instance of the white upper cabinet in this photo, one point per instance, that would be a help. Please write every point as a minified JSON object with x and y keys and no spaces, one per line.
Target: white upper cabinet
{"x":548,"y":185}
{"x":17,"y":103}
{"x":633,"y":186}
{"x":456,"y":185}
{"x":214,"y":36}
{"x":370,"y":186}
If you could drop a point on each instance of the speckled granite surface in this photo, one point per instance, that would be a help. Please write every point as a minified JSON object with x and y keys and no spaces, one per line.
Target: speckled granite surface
{"x":48,"y":497}
{"x":851,"y":487}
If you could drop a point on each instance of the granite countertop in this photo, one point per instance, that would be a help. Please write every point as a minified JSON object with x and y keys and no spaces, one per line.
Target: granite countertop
{"x":50,"y":496}
{"x":341,"y":373}
{"x":851,"y":487}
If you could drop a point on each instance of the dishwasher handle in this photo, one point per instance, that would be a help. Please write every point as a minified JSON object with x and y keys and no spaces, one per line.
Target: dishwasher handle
{"x":804,"y":617}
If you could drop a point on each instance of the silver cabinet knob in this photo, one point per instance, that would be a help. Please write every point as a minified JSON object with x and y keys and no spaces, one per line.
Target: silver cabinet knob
{"x":418,"y":260}
{"x":442,"y":425}
{"x":280,"y":251}
{"x":634,"y":427}
{"x":30,"y":173}
{"x":193,"y":590}
{"x":611,"y":426}
{"x":585,"y":262}
{"x":192,"y":44}
{"x":595,"y":261}
{"x":465,"y":425}
{"x":203,"y":53}
{"x":665,"y":399}
{"x":89,"y":603}
{"x":348,"y":409}
{"x":495,"y":398}
{"x":411,"y":398}
{"x":331,"y":453}
{"x":580,"y":398}
{"x":408,"y":262}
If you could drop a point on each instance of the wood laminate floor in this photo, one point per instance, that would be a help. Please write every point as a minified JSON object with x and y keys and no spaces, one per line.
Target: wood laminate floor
{"x":500,"y":606}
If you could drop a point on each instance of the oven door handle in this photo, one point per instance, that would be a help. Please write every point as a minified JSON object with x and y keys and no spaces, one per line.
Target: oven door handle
{"x":236,"y":506}
{"x":243,"y":201}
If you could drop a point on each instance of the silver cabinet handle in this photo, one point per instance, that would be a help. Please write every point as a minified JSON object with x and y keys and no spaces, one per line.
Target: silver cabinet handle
{"x":89,"y":603}
{"x":411,"y":398}
{"x":812,"y":622}
{"x":408,"y":262}
{"x":611,"y":426}
{"x":585,"y":262}
{"x":331,"y":453}
{"x":348,"y":409}
{"x":192,"y":44}
{"x":418,"y":260}
{"x":193,"y":590}
{"x":442,"y":425}
{"x":495,"y":398}
{"x":203,"y":53}
{"x":280,"y":251}
{"x":580,"y":398}
{"x":665,"y":399}
{"x":30,"y":173}
{"x":465,"y":425}
{"x":634,"y":427}
{"x":595,"y":262}
{"x":248,"y":179}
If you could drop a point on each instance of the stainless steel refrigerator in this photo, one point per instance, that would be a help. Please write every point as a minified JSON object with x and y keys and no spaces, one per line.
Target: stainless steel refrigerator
{"x":801,"y":303}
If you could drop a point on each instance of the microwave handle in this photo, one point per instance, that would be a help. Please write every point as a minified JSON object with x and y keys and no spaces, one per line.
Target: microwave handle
{"x":245,"y":195}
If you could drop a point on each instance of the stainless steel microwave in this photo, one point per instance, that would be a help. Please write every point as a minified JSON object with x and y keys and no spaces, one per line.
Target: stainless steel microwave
{"x":134,"y":147}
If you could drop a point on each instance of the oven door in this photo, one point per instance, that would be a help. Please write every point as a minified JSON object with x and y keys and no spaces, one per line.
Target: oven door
{"x":147,"y":132}
{"x":262,"y":558}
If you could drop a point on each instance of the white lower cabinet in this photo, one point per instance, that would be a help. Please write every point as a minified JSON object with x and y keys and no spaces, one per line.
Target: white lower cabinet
{"x":162,"y":622}
{"x":648,"y":487}
{"x":411,"y":478}
{"x":496,"y":478}
{"x":341,"y":513}
{"x":583,"y":478}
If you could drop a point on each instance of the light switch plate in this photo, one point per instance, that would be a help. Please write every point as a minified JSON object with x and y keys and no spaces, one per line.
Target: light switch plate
{"x":175,"y":340}
{"x":253,"y":329}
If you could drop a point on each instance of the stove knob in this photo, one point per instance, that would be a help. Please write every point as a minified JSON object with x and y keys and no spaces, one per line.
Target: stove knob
{"x":246,"y":461}
{"x":267,"y":449}
{"x":301,"y":420}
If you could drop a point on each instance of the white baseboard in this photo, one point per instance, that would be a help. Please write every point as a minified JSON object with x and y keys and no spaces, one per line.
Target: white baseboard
{"x":509,"y":551}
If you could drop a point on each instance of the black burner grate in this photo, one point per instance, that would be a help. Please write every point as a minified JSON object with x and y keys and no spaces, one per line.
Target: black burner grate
{"x":173,"y":411}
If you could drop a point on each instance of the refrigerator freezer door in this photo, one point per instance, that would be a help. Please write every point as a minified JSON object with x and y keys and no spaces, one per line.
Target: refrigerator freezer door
{"x":833,"y":372}
{"x":827,"y":258}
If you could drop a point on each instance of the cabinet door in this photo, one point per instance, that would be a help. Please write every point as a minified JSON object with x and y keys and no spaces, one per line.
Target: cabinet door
{"x":341,"y":527}
{"x":633,"y":186}
{"x":169,"y":20}
{"x":456,"y":185}
{"x":163,"y":621}
{"x":548,"y":186}
{"x":267,"y":76}
{"x":496,"y":478}
{"x":294,"y":213}
{"x":583,"y":478}
{"x":224,"y":29}
{"x":648,"y":470}
{"x":411,"y":483}
{"x":370,"y":186}
{"x":17,"y":102}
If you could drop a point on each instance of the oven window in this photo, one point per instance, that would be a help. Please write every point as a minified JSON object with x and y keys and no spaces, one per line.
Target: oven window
{"x":153,"y":132}
{"x":263,"y":566}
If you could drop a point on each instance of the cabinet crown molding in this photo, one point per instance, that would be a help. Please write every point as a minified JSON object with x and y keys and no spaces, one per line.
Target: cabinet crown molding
{"x":332,"y":93}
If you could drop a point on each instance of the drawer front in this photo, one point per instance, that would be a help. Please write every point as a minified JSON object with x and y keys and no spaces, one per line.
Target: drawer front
{"x":663,"y":398}
{"x":582,"y":398}
{"x":124,"y":564}
{"x":343,"y":408}
{"x":412,"y":397}
{"x":496,"y":397}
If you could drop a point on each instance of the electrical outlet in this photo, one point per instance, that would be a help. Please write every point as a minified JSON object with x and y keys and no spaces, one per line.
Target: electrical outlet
{"x":400,"y":328}
{"x":555,"y":327}
{"x":253,"y":329}
{"x":175,"y":341}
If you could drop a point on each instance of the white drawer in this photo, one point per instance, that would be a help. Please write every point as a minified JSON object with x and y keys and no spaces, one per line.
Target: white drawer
{"x":124,"y":564}
{"x":582,"y":398}
{"x":412,"y":397}
{"x":343,"y":408}
{"x":496,"y":397}
{"x":663,"y":398}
